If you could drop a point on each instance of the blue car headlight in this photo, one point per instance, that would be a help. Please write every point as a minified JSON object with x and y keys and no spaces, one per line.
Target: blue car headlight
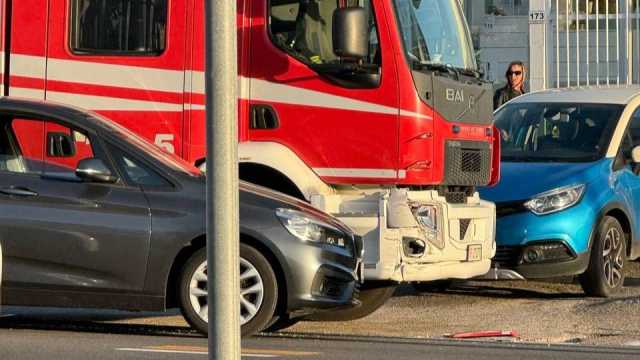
{"x":308,"y":228}
{"x":555,"y":200}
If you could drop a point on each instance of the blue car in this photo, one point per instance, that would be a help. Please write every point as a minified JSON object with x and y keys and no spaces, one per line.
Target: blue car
{"x":568,"y":202}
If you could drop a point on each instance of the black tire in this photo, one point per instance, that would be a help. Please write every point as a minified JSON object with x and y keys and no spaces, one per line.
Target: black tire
{"x":373,"y":295}
{"x":265,"y":308}
{"x":605,"y":274}
{"x":281,"y":322}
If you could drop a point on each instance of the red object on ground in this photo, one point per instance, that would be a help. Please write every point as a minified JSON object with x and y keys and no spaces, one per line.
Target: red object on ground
{"x":479,"y":334}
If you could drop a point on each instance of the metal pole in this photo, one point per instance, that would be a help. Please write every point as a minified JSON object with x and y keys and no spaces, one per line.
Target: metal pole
{"x":588,"y":11}
{"x":223,"y":269}
{"x":578,"y":42}
{"x":557,"y":19}
{"x":606,"y":7}
{"x":566,"y":17}
{"x":618,"y":42}
{"x":597,"y":42}
{"x":627,"y":42}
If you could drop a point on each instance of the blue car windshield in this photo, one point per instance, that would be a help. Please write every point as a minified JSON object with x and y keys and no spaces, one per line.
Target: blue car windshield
{"x":556,"y":132}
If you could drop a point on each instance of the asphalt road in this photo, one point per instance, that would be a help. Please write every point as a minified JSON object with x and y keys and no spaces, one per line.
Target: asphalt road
{"x":31,"y":343}
{"x":553,"y":320}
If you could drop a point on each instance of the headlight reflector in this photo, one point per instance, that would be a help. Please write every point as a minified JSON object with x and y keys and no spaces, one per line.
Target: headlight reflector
{"x":308,"y":228}
{"x":555,"y":200}
{"x":426,"y":215}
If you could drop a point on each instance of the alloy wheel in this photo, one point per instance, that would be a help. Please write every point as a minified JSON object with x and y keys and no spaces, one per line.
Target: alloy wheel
{"x":251,"y":291}
{"x":613,"y":257}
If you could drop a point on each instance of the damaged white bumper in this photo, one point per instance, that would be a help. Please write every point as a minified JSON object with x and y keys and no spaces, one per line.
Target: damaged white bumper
{"x":418,"y":235}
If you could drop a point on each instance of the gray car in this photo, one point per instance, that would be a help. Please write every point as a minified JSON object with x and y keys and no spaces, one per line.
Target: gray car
{"x":92,"y":215}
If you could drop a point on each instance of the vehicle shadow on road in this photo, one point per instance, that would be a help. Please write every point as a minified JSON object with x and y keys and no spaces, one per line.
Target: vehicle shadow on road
{"x":94,"y":321}
{"x":96,"y":327}
{"x":494,"y":290}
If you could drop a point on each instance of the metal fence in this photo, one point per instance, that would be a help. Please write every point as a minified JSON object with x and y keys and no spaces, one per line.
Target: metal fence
{"x":594,"y":42}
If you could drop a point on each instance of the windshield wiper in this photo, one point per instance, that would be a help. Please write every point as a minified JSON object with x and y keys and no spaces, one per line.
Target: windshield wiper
{"x":470,"y":72}
{"x":446,"y":68}
{"x":442,"y":68}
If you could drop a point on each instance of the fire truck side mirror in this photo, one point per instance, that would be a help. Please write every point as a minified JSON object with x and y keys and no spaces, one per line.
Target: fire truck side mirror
{"x":350,"y":33}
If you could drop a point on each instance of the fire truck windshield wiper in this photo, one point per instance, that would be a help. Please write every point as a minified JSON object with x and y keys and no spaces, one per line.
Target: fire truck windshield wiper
{"x":339,"y":68}
{"x":469,"y":72}
{"x":441,"y":68}
{"x":446,"y":68}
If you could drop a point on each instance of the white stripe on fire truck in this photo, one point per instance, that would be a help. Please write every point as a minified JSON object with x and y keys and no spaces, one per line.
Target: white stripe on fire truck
{"x":109,"y":103}
{"x":173,"y":81}
{"x":267,"y":91}
{"x":84,"y":72}
{"x":28,"y":93}
{"x":360,"y":173}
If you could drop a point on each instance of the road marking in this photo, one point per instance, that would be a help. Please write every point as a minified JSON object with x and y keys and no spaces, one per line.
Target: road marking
{"x":190,"y":352}
{"x":201,"y":350}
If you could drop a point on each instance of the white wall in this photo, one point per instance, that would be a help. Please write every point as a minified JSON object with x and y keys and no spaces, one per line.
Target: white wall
{"x":502,"y":40}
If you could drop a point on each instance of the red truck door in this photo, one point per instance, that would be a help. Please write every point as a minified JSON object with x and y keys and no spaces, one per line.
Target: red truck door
{"x":124,"y":59}
{"x":344,"y":127}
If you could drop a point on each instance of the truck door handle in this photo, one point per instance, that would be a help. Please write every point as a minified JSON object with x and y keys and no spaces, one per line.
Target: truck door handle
{"x":264,"y":117}
{"x":18,"y":191}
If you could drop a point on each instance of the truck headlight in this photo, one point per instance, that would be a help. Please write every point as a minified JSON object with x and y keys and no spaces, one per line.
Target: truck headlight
{"x":555,"y":200}
{"x":308,"y":228}
{"x":426,"y":216}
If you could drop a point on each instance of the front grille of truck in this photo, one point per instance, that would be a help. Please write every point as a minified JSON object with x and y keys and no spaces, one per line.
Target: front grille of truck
{"x":464,"y":226}
{"x":507,"y":256}
{"x":467,"y":163}
{"x":456,"y":194}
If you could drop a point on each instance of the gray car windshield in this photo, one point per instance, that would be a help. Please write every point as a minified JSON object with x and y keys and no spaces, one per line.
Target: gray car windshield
{"x":556,"y":132}
{"x":435,"y":32}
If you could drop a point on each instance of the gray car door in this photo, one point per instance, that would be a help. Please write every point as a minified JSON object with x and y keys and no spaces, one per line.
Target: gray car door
{"x":61,"y":233}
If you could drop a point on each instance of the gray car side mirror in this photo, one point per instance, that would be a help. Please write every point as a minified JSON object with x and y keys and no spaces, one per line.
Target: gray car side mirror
{"x":95,"y":170}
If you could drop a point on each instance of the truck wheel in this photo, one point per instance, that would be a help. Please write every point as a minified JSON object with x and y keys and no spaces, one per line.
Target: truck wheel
{"x":373,"y":295}
{"x":258,"y":291}
{"x":605,"y":274}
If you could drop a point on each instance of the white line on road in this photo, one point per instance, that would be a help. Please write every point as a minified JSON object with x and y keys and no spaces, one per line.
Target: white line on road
{"x":191,"y":352}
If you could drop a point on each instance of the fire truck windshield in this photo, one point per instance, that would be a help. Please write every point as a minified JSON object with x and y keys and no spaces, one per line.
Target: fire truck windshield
{"x":434,"y":32}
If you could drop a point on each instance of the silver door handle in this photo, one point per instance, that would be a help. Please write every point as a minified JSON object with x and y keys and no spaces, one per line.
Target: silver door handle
{"x":17,"y":191}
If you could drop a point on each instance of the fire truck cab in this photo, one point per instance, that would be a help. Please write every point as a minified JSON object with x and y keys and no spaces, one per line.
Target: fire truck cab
{"x":372,"y":110}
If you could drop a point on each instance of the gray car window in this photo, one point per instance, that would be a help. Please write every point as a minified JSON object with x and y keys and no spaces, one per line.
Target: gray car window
{"x":64,"y":148}
{"x":136,"y":172}
{"x":21,"y":148}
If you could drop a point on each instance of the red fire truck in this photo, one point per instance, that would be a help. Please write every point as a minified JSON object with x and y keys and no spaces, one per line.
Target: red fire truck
{"x":372,"y":110}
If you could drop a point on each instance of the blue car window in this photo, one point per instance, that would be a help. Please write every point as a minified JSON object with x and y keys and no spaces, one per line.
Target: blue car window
{"x":556,"y":132}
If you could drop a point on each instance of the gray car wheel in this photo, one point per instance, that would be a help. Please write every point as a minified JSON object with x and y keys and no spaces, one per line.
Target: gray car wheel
{"x":258,"y":291}
{"x":605,"y":274}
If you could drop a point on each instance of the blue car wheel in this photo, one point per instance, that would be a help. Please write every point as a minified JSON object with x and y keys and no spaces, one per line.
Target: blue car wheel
{"x":605,"y":274}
